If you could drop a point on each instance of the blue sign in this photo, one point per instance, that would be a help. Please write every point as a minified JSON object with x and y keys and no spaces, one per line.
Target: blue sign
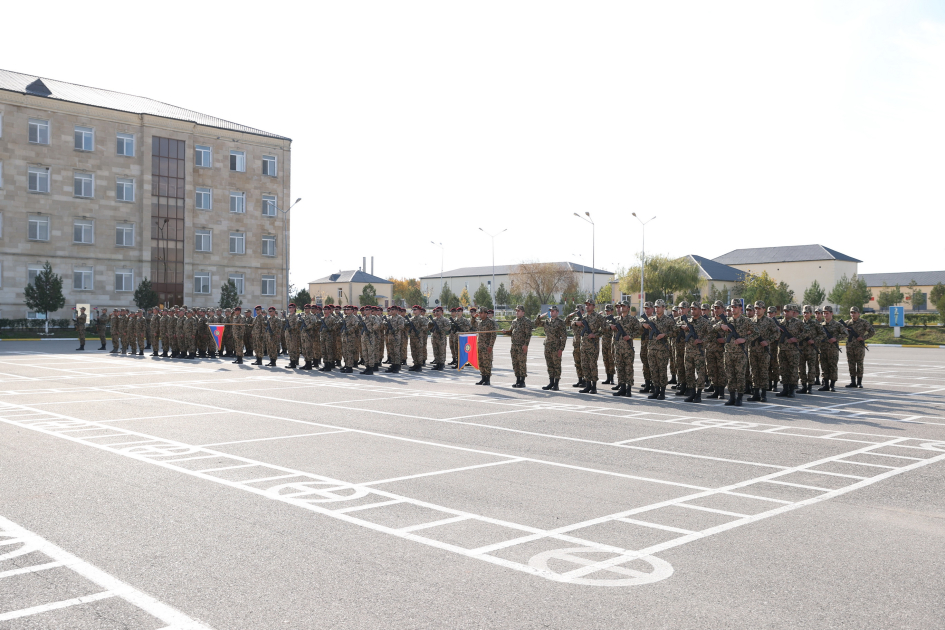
{"x":897,"y":316}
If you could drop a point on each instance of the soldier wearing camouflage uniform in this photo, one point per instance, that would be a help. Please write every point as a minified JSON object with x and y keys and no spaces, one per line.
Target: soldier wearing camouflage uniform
{"x":607,"y":345}
{"x":809,"y":350}
{"x":238,"y":334}
{"x":830,"y":352}
{"x":415,"y":327}
{"x":487,"y":326}
{"x":556,"y":338}
{"x":759,"y":352}
{"x":395,"y":333}
{"x":576,"y":344}
{"x":293,"y":327}
{"x":694,"y":358}
{"x":856,"y":347}
{"x":658,"y":351}
{"x":441,"y":330}
{"x":645,"y":352}
{"x":590,"y":346}
{"x":818,"y":366}
{"x":624,"y":328}
{"x":521,"y":333}
{"x":80,"y":321}
{"x":367,"y":333}
{"x":789,"y":351}
{"x":101,"y":322}
{"x":715,"y":353}
{"x":738,"y":331}
{"x":260,"y":335}
{"x":274,"y":328}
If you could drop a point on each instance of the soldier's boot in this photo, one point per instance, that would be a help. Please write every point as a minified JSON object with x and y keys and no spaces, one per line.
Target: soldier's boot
{"x":731,"y":399}
{"x":805,"y":388}
{"x":587,"y":387}
{"x":662,"y":393}
{"x":647,"y":387}
{"x":738,"y":399}
{"x":617,"y":386}
{"x":859,"y":379}
{"x":580,"y":383}
{"x":654,"y":393}
{"x":715,"y":392}
{"x":698,"y":397}
{"x":140,"y":352}
{"x":403,"y":361}
{"x":690,"y":395}
{"x":518,"y":382}
{"x":609,"y":381}
{"x":672,"y":381}
{"x":825,"y":387}
{"x":832,"y":384}
{"x":487,"y":381}
{"x":784,"y":393}
{"x":764,"y":395}
{"x":308,"y":364}
{"x":683,"y":390}
{"x":792,"y":390}
{"x":397,"y":368}
{"x":258,"y":360}
{"x":154,"y":353}
{"x":774,"y":386}
{"x":852,"y":382}
{"x":593,"y":387}
{"x":817,"y":381}
{"x":272,"y":363}
{"x":442,"y":367}
{"x":103,"y":347}
{"x":554,"y":387}
{"x":329,"y":365}
{"x":621,"y":390}
{"x":755,"y":395}
{"x":114,"y":351}
{"x":239,"y":361}
{"x":551,"y":382}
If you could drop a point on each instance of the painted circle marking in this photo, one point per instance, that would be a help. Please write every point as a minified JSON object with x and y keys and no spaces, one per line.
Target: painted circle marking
{"x":631,"y":577}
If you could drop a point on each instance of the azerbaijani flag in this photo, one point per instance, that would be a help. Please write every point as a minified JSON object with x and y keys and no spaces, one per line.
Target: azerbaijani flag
{"x":468,"y":350}
{"x":216,"y":331}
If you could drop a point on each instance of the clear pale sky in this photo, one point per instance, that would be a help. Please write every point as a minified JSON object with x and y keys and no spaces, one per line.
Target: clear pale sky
{"x":737,"y":124}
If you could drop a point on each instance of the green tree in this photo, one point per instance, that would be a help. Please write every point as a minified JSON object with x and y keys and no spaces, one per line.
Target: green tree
{"x":448,"y":299}
{"x":814,"y":295}
{"x":229,"y":298}
{"x":145,"y":295}
{"x":482,"y":298}
{"x":502,"y":297}
{"x":917,"y":297}
{"x":605,"y":295}
{"x":413,"y":295}
{"x":45,"y":294}
{"x":328,"y":300}
{"x":783,"y":294}
{"x":663,"y":277}
{"x":889,"y":296}
{"x":753,"y":288}
{"x":368,"y":295}
{"x":532,"y":305}
{"x":937,"y":295}
{"x":301,"y":298}
{"x":849,"y":292}
{"x":464,"y":298}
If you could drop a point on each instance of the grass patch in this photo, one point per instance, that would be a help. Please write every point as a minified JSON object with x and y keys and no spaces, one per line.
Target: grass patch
{"x":911,"y":335}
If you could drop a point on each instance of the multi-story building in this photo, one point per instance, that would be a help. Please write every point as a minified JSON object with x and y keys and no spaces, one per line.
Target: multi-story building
{"x":112,"y":188}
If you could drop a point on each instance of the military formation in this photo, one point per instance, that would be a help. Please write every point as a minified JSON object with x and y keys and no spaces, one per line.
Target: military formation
{"x":696,"y":348}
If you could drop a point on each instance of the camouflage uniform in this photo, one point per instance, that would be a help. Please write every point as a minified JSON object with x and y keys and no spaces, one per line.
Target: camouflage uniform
{"x":521,"y":333}
{"x":327,"y":342}
{"x":576,"y":346}
{"x":395,"y":333}
{"x":658,"y":351}
{"x":274,"y":336}
{"x":590,"y":350}
{"x":809,"y":352}
{"x":789,"y":353}
{"x":830,"y":352}
{"x":485,"y":347}
{"x":441,"y":330}
{"x":694,"y":358}
{"x":292,"y":327}
{"x":856,"y":350}
{"x":556,"y":338}
{"x":260,"y":335}
{"x":624,"y":351}
{"x":415,"y":327}
{"x":774,"y":368}
{"x":760,"y":356}
{"x":607,"y":345}
{"x":645,"y":354}
{"x":101,"y":323}
{"x":80,"y":320}
{"x":141,"y":332}
{"x":366,"y":328}
{"x":736,"y":354}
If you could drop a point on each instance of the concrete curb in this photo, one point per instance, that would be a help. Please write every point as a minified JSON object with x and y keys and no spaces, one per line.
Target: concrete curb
{"x":46,"y":339}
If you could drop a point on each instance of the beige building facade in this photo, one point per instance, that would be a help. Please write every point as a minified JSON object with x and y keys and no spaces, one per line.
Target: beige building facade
{"x":925,"y":282}
{"x":111,"y":189}
{"x":345,"y":287}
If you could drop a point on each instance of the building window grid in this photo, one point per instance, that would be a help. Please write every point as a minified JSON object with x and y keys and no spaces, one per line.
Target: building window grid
{"x":124,"y":279}
{"x":269,"y":165}
{"x":238,"y":161}
{"x":125,"y":189}
{"x":125,"y":235}
{"x":126,"y":144}
{"x":268,"y":285}
{"x":38,"y":229}
{"x":38,"y":131}
{"x":38,"y":179}
{"x":238,"y":280}
{"x":237,"y":243}
{"x":83,"y":185}
{"x":204,"y":198}
{"x":237,"y":202}
{"x":269,"y":205}
{"x":84,"y":138}
{"x":202,"y":283}
{"x":269,"y":246}
{"x":83,"y":232}
{"x":82,"y":278}
{"x":203,"y":156}
{"x":203,"y":240}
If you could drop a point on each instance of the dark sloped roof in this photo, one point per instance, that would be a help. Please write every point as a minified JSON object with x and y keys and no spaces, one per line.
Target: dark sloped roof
{"x":790,"y":253}
{"x":501,"y":270}
{"x":351,"y":276}
{"x":903,"y":278}
{"x":96,"y":97}
{"x":711,"y":270}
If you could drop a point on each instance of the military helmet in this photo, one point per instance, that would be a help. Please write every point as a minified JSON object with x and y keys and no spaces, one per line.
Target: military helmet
{"x":684,"y":304}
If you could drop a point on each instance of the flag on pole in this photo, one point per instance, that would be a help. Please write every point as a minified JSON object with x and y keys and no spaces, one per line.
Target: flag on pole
{"x":468,"y":350}
{"x":216,"y":331}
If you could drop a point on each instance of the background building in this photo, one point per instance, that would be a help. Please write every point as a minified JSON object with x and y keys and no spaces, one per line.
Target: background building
{"x":925,"y":280}
{"x":470,"y":278}
{"x":345,"y":287}
{"x":797,"y":265}
{"x":716,"y":276}
{"x":111,"y":188}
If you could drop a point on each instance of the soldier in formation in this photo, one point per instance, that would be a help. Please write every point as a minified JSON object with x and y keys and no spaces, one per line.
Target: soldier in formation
{"x":80,"y":321}
{"x":521,"y":333}
{"x":556,"y":338}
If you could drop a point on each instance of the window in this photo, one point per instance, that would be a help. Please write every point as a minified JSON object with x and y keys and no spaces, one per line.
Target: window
{"x":237,"y":202}
{"x":31,"y":272}
{"x":84,"y":139}
{"x":126,"y":144}
{"x":124,"y":280}
{"x":34,"y":315}
{"x":202,"y":282}
{"x":340,"y":292}
{"x":269,"y":205}
{"x":237,"y":243}
{"x":125,"y":189}
{"x":204,"y":199}
{"x":84,"y":184}
{"x":202,"y":240}
{"x":268,"y":285}
{"x":237,"y":279}
{"x":125,"y":235}
{"x":82,"y":278}
{"x":269,"y":246}
{"x":39,"y":131}
{"x":269,"y":165}
{"x":82,"y":232}
{"x":238,"y":161}
{"x":38,"y":229}
{"x":203,"y":156}
{"x":38,"y":179}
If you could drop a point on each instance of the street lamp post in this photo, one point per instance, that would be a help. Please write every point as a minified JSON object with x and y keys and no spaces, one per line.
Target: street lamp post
{"x":583,"y":267}
{"x":593,"y":263}
{"x":492,"y":236}
{"x":441,"y":265}
{"x":285,"y":246}
{"x":642,"y":256}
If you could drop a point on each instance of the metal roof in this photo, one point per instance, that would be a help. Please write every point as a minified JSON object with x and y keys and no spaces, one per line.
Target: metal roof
{"x":350,"y":276}
{"x":711,"y":270}
{"x":503,"y":270}
{"x":903,"y":278}
{"x":790,"y":253}
{"x":97,"y":97}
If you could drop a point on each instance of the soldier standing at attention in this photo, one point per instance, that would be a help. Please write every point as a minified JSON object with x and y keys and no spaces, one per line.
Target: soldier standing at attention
{"x":273,"y":327}
{"x":576,"y":345}
{"x":366,"y":326}
{"x":336,"y":334}
{"x":293,"y":335}
{"x":441,"y":330}
{"x":819,"y":316}
{"x":590,"y":346}
{"x":487,"y":324}
{"x":521,"y":333}
{"x":749,"y":312}
{"x":141,"y":331}
{"x":238,"y":333}
{"x":672,"y":339}
{"x":260,"y":335}
{"x":765,"y":332}
{"x":694,"y":358}
{"x":624,"y":327}
{"x":394,"y":342}
{"x":556,"y":338}
{"x":316,"y":324}
{"x":146,"y":315}
{"x":738,"y":331}
{"x":415,"y":331}
{"x":664,"y":326}
{"x":101,"y":322}
{"x":607,"y":345}
{"x":126,"y":327}
{"x":856,"y":347}
{"x":165,"y":332}
{"x":677,"y":362}
{"x":810,"y":346}
{"x":325,"y":339}
{"x":788,"y":352}
{"x":453,"y":338}
{"x":155,"y":331}
{"x":305,"y":335}
{"x":715,"y":354}
{"x":774,"y":369}
{"x":189,"y":328}
{"x":644,"y":351}
{"x":349,"y":347}
{"x":830,"y":354}
{"x":80,"y":320}
{"x":403,"y":336}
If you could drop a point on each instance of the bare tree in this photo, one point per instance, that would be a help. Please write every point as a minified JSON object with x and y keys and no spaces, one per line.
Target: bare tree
{"x":545,"y":280}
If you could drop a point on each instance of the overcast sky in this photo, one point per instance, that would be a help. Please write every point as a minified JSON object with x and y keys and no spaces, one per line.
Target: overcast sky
{"x":736,"y":124}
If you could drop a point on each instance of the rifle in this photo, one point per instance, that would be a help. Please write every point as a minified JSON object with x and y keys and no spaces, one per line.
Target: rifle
{"x":828,"y":335}
{"x":364,"y":325}
{"x":653,"y":329}
{"x":785,"y":335}
{"x":620,"y":330}
{"x":585,"y":327}
{"x":852,"y":334}
{"x":268,"y":327}
{"x":389,"y":325}
{"x":732,"y":332}
{"x":436,"y":327}
{"x":692,"y":334}
{"x":816,"y":349}
{"x":412,"y":327}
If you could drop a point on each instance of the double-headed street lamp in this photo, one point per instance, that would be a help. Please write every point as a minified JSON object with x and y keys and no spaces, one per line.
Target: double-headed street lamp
{"x":492,"y":236}
{"x":593,"y":264}
{"x":642,"y":257}
{"x":285,"y":246}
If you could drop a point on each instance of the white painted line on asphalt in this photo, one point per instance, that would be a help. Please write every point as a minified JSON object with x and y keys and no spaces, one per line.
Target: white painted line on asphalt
{"x":846,"y":461}
{"x":278,"y":437}
{"x":207,"y":470}
{"x":650,"y":437}
{"x":798,"y":485}
{"x":187,"y":459}
{"x":442,"y":472}
{"x":755,"y":496}
{"x":261,"y":479}
{"x":445,"y":521}
{"x":35,"y":610}
{"x":834,"y":474}
{"x":369,"y":506}
{"x":706,"y":509}
{"x":31,"y":569}
{"x":668,"y":528}
{"x":917,"y":459}
{"x":180,"y":415}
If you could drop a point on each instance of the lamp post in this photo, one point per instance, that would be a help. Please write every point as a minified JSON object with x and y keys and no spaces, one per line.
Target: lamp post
{"x":492,"y":236}
{"x":583,"y":267}
{"x":642,"y":256}
{"x":593,"y":263}
{"x":441,"y":264}
{"x":285,"y":246}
